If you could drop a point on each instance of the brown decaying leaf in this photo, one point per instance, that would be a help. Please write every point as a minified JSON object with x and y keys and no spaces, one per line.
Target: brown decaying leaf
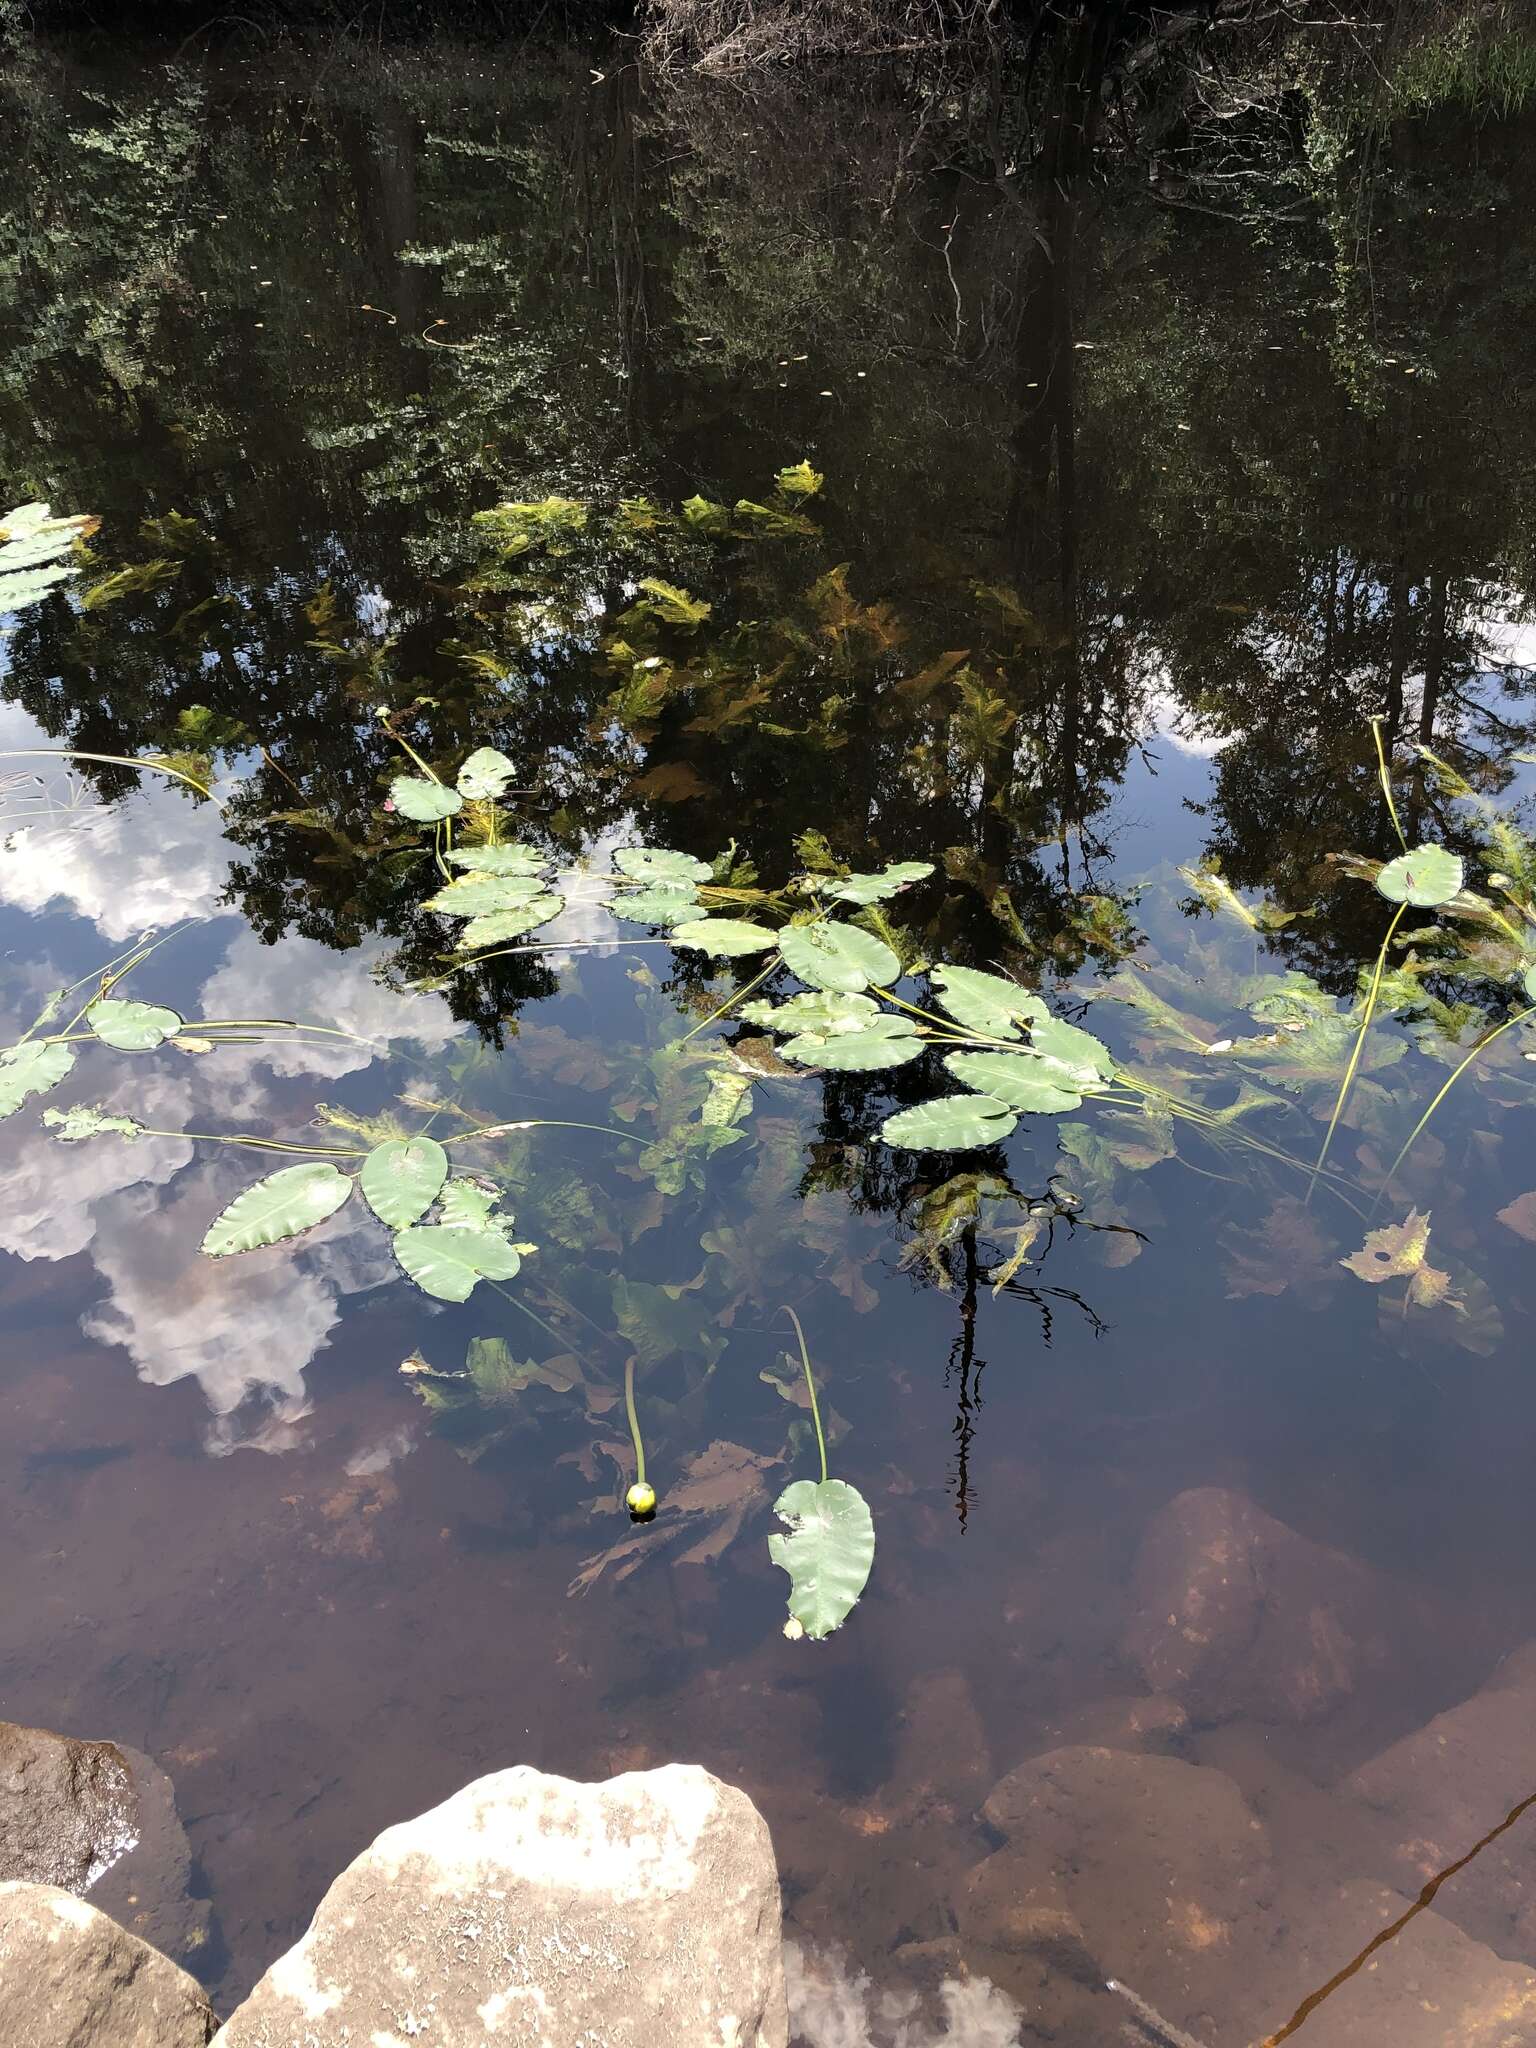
{"x":1520,"y":1216}
{"x":707,"y":1507}
{"x":1287,"y":1250}
{"x":672,"y":782}
{"x":1394,"y":1251}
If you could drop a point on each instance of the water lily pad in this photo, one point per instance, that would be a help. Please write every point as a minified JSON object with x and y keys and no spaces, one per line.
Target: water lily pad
{"x":497,"y":926}
{"x":838,"y":956}
{"x":447,"y":1262}
{"x":1426,"y":877}
{"x":950,"y":1123}
{"x":131,"y":1027}
{"x":885,"y":1041}
{"x":485,"y":774}
{"x":987,"y":1003}
{"x":423,"y":801}
{"x":828,"y":1553}
{"x":1530,"y":982}
{"x":515,"y":859}
{"x":824,"y":1011}
{"x":1075,"y":1057}
{"x":474,"y":894}
{"x":728,"y":937}
{"x":1014,"y":1078}
{"x":873,"y":888}
{"x":402,"y":1178}
{"x":31,"y":1069}
{"x":88,"y":1120}
{"x":658,"y":905}
{"x":292,"y":1200}
{"x":660,"y":864}
{"x":467,"y":1205}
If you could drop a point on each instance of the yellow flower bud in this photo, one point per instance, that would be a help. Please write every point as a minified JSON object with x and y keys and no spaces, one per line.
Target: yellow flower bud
{"x":641,"y":1500}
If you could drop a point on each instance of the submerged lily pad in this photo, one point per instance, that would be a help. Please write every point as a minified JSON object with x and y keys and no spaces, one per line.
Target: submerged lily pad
{"x":1426,"y":877}
{"x":31,"y":1069}
{"x":424,"y":801}
{"x":131,"y":1027}
{"x":88,"y":1120}
{"x":292,"y":1200}
{"x":828,"y":1553}
{"x":950,"y":1123}
{"x":838,"y":956}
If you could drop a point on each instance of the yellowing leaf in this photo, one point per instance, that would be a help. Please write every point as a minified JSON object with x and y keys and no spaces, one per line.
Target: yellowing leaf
{"x":1393,"y":1252}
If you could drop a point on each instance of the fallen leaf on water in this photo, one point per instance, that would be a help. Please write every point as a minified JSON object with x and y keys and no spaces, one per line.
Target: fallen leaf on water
{"x":1393,"y":1252}
{"x":1520,"y":1216}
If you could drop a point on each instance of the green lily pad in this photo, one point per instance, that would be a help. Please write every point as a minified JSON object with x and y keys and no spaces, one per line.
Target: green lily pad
{"x":286,"y":1203}
{"x":31,"y":1069}
{"x":467,"y":1205}
{"x":657,"y":906}
{"x":985,"y":1002}
{"x":485,"y":774}
{"x":1075,"y":1057}
{"x":131,"y":1027}
{"x":885,"y":1041}
{"x":423,"y":801}
{"x":497,"y":926}
{"x":660,"y":864}
{"x":824,"y":1011}
{"x":402,"y":1178}
{"x":448,"y":1263}
{"x":727,"y":937}
{"x":828,"y":1554}
{"x":1530,"y":981}
{"x":838,"y":956}
{"x":1426,"y":877}
{"x":515,"y":859}
{"x":873,"y":888}
{"x":474,"y":894}
{"x":950,"y":1123}
{"x":89,"y":1121}
{"x":1013,"y":1078}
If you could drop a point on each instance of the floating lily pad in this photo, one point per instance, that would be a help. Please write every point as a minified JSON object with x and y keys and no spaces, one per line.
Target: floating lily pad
{"x":423,"y":801}
{"x":515,"y":859}
{"x":89,"y":1121}
{"x":1013,"y":1078}
{"x":885,"y":1041}
{"x":838,"y":956}
{"x":828,"y":1553}
{"x":286,"y":1203}
{"x":660,"y":864}
{"x":950,"y":1123}
{"x":1426,"y":877}
{"x":31,"y":1069}
{"x":485,"y":774}
{"x":131,"y":1027}
{"x":986,"y":1002}
{"x":824,"y":1011}
{"x":402,"y":1178}
{"x":474,"y":894}
{"x":448,"y":1263}
{"x":657,"y":906}
{"x":873,"y":888}
{"x":497,"y":926}
{"x":728,"y":937}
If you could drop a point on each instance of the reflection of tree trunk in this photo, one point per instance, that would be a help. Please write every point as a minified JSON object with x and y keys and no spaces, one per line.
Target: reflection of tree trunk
{"x":1397,"y":661}
{"x":381,"y":152}
{"x":1434,"y":661}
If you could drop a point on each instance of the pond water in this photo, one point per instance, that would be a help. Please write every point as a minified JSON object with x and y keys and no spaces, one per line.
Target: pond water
{"x":1114,"y":556}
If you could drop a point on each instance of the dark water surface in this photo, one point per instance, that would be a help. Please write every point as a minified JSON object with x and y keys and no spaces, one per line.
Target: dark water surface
{"x":1114,"y":559}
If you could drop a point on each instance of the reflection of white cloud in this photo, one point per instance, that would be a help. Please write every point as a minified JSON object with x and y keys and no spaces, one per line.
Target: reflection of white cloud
{"x":1174,"y":722}
{"x":300,"y":979}
{"x":378,"y":1457}
{"x":243,"y":1325}
{"x":832,"y":2005}
{"x":151,"y":860}
{"x":51,"y":1190}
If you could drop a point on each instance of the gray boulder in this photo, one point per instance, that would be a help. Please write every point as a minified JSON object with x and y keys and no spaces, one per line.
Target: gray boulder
{"x":67,"y":1808}
{"x":72,"y":1978}
{"x":530,"y":1909}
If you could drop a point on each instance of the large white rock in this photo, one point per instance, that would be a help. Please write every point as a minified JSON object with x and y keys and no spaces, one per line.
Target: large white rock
{"x":533,"y":1912}
{"x":72,"y":1978}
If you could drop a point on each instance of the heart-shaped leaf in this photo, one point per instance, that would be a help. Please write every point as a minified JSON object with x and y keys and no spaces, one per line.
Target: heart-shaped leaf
{"x":447,"y":1262}
{"x":131,"y":1027}
{"x":950,"y":1123}
{"x":1013,"y":1078}
{"x":423,"y":801}
{"x":402,"y":1178}
{"x":658,"y":905}
{"x":873,"y":888}
{"x":1425,"y":878}
{"x":828,"y":1553}
{"x":485,"y":774}
{"x":985,"y":1002}
{"x":726,"y":937}
{"x":660,"y":864}
{"x":496,"y":926}
{"x":293,"y":1199}
{"x":31,"y":1069}
{"x":885,"y":1041}
{"x":515,"y":859}
{"x":838,"y":956}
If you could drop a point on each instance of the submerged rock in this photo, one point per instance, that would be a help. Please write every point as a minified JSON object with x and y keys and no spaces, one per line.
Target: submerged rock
{"x":67,"y":1808}
{"x":72,"y":1978}
{"x":530,"y":1908}
{"x":1239,"y":1615}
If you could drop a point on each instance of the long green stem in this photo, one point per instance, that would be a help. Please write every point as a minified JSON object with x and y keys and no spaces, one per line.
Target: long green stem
{"x":1386,"y":783}
{"x":810,"y":1387}
{"x":740,"y":996}
{"x":111,"y":761}
{"x":1359,"y":1045}
{"x":532,"y":1314}
{"x":262,"y":1144}
{"x":634,"y":1420}
{"x":1456,"y":1073}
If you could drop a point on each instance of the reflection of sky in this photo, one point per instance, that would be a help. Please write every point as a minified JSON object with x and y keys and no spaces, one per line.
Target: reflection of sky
{"x":242,"y":1326}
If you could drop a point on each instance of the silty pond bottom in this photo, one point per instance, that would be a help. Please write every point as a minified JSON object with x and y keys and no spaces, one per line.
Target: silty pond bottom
{"x":688,"y":450}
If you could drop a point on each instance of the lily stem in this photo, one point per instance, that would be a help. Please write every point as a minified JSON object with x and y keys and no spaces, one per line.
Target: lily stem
{"x":810,"y":1387}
